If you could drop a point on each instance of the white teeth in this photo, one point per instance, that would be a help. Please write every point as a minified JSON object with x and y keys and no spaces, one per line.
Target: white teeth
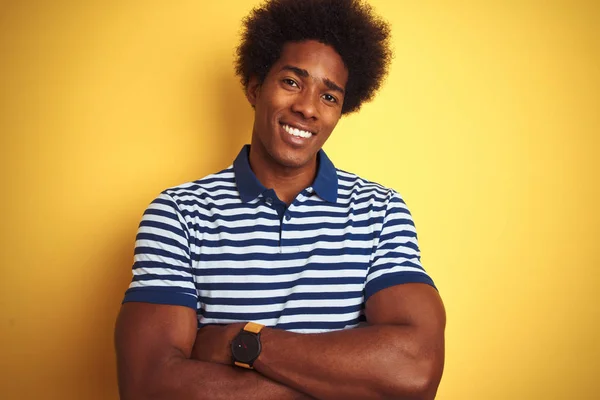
{"x":297,"y":132}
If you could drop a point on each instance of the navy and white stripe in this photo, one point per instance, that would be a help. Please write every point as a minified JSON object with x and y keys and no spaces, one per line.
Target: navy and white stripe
{"x":229,"y":248}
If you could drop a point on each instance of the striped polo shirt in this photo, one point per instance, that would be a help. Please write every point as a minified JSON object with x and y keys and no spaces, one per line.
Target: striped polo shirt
{"x":227,"y":247}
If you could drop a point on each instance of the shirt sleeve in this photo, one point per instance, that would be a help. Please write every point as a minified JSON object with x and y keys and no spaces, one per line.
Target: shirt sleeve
{"x":162,"y":271}
{"x":397,"y":258}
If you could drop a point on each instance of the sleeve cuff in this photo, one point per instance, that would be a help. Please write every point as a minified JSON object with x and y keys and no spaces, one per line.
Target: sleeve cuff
{"x":161,"y":297}
{"x":386,"y":281}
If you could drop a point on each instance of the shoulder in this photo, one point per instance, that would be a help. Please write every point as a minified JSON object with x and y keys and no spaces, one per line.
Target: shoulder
{"x":206,"y":190}
{"x":353,"y":188}
{"x":195,"y":199}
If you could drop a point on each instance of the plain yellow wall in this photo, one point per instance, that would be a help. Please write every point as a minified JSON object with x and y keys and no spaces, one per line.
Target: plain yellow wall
{"x":488,"y":125}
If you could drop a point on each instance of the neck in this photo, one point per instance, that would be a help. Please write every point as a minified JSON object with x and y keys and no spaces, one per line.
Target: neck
{"x":287,"y":182}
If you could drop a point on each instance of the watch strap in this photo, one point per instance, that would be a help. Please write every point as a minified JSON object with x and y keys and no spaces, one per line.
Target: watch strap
{"x":253,"y":327}
{"x":243,"y":365}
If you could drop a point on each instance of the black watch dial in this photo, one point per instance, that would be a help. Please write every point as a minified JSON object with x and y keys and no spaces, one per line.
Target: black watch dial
{"x":245,"y":347}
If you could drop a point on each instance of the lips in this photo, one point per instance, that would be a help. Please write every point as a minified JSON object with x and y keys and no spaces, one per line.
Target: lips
{"x":298,"y":130}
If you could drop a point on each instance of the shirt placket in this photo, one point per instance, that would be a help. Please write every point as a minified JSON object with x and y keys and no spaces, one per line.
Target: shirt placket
{"x":290,"y":217}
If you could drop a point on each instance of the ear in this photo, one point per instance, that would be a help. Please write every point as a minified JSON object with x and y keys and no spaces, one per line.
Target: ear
{"x":253,"y":90}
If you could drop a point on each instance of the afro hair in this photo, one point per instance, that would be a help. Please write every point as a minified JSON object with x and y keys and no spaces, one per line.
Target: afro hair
{"x":359,"y":36}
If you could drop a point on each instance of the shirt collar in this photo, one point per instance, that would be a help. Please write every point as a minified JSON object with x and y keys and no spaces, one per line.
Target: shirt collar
{"x":247,"y":184}
{"x":325,"y":184}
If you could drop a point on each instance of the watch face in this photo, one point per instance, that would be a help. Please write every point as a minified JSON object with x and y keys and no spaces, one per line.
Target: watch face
{"x":245,"y":347}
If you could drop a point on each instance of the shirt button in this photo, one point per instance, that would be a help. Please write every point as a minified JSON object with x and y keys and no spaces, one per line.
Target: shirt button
{"x":288,"y":217}
{"x":269,"y":200}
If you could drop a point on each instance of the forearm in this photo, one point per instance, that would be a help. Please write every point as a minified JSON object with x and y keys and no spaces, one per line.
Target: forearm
{"x":375,"y":362}
{"x":181,"y":378}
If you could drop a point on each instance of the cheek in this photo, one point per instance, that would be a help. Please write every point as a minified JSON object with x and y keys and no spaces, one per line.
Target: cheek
{"x":274,"y":96}
{"x":281,"y":101}
{"x":331,"y":119}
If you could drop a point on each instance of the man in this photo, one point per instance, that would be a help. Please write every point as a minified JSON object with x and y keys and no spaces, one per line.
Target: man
{"x":252,"y":283}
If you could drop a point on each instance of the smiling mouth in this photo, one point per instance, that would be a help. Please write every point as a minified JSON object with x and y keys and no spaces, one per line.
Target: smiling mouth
{"x":296,"y":132}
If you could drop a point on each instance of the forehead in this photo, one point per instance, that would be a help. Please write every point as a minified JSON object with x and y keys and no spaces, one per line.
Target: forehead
{"x":320,"y":60}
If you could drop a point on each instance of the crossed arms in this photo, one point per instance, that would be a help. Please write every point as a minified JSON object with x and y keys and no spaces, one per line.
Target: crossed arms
{"x":400,"y":355}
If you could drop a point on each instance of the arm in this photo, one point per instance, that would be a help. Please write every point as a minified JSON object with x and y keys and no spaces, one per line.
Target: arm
{"x":154,"y":343}
{"x":400,"y":355}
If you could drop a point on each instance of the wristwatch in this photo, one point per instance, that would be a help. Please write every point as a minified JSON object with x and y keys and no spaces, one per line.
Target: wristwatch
{"x":245,"y":347}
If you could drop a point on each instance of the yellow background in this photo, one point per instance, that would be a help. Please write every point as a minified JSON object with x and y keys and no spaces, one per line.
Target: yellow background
{"x":488,"y":126}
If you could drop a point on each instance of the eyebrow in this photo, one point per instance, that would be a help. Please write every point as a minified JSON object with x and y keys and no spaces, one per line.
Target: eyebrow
{"x":304,"y":73}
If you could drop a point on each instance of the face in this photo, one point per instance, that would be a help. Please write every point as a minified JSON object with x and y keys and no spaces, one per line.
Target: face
{"x":298,"y":105}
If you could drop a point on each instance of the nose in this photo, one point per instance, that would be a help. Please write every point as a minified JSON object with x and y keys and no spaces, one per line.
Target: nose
{"x":305,"y":104}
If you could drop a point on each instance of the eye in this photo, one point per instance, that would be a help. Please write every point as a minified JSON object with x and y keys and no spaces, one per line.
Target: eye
{"x":329,"y":98}
{"x":290,"y":82}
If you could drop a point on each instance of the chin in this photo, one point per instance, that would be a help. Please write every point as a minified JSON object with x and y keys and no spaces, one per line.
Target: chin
{"x":290,"y":160}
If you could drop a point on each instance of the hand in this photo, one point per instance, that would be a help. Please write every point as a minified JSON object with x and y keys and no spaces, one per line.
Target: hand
{"x":213,"y":343}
